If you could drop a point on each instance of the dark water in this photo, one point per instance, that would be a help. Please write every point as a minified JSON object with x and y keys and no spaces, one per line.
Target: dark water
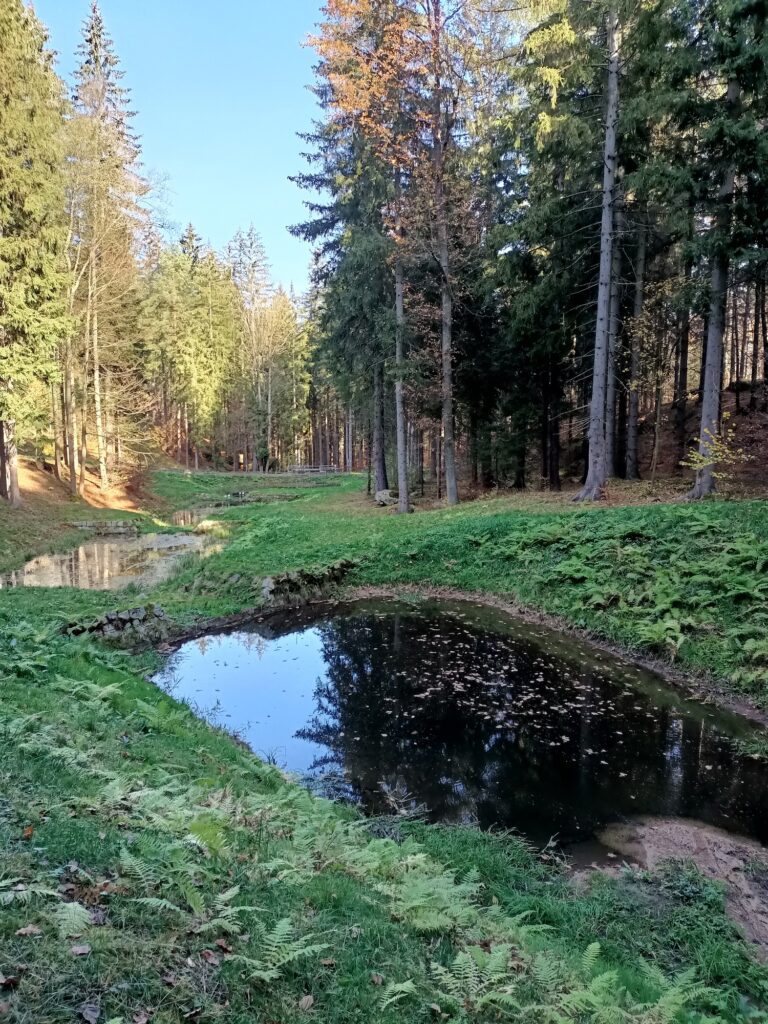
{"x":193,"y":516}
{"x":471,"y":718}
{"x":108,"y":563}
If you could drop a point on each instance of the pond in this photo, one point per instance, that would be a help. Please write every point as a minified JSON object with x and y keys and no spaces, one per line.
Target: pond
{"x":108,"y":563}
{"x":193,"y":516}
{"x":465,"y":715}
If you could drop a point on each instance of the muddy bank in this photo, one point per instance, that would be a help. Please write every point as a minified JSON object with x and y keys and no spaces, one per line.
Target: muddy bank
{"x":741,"y":863}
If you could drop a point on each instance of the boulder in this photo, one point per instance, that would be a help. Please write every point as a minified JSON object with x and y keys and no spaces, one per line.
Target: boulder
{"x":383,"y":498}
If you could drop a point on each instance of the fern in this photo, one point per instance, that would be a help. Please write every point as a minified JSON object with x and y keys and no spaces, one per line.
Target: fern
{"x":590,"y":957}
{"x":477,"y":980}
{"x":158,"y":903}
{"x":279,"y":948}
{"x":395,"y":991}
{"x":71,"y":919}
{"x":16,"y":891}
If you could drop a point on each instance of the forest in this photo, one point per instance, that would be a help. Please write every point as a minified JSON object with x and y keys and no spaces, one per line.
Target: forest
{"x":272,"y":749}
{"x":539,"y":257}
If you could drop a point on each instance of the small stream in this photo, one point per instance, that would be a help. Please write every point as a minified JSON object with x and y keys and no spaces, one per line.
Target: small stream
{"x":109,"y":563}
{"x":464,"y":715}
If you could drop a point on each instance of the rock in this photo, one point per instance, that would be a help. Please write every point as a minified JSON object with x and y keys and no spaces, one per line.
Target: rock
{"x":130,"y":626}
{"x":383,"y":498}
{"x":302,"y":584}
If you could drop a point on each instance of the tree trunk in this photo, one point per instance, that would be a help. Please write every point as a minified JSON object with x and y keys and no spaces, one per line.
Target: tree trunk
{"x":613,"y":344}
{"x":710,"y":403}
{"x":681,"y":397}
{"x":9,"y":464}
{"x":269,"y":419}
{"x":554,"y":431}
{"x":71,"y":421}
{"x":5,"y":476}
{"x":755,"y":344}
{"x":633,"y":411}
{"x":57,"y":427}
{"x":380,"y":482}
{"x":440,"y":138}
{"x":83,"y":448}
{"x":103,"y":477}
{"x":449,"y":450}
{"x":594,"y":486}
{"x":403,"y":504}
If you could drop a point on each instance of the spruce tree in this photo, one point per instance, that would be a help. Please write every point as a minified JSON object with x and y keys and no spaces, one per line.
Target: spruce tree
{"x":32,"y":238}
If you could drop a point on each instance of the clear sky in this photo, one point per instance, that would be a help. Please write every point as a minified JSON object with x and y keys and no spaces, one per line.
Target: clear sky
{"x":220,"y":92}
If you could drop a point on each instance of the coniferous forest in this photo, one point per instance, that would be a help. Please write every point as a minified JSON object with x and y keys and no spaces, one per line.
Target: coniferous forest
{"x":539,"y":256}
{"x":273,"y":751}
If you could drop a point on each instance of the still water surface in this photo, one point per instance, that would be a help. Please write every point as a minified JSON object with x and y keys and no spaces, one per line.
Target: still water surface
{"x":469,"y":717}
{"x":108,"y":563}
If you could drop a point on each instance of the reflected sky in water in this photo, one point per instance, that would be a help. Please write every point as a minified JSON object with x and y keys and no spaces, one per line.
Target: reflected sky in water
{"x":434,"y":709}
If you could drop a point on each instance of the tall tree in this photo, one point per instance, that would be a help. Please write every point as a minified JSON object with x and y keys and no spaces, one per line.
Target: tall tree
{"x":32,"y":230}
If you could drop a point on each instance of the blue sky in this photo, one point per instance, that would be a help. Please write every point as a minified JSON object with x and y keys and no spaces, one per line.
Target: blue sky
{"x":220,"y":92}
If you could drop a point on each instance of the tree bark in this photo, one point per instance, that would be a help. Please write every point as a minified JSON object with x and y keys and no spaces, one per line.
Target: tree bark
{"x":755,"y":345}
{"x":718,"y":293}
{"x":71,"y":421}
{"x":613,"y":345}
{"x":101,"y":441}
{"x":380,"y":482}
{"x":594,"y":486}
{"x":633,"y":411}
{"x":403,"y":504}
{"x":681,"y":396}
{"x":440,"y":137}
{"x":9,"y":464}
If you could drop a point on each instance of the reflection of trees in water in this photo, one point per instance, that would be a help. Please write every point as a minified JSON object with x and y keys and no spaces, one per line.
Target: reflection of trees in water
{"x":473,"y":724}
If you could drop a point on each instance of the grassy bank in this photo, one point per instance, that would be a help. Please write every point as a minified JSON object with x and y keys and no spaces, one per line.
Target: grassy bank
{"x":685,"y":582}
{"x":153,"y":870}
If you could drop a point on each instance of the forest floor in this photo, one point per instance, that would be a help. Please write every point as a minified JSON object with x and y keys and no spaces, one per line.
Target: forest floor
{"x":154,"y":870}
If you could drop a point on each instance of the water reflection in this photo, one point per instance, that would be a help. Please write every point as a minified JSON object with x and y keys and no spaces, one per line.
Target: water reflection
{"x":433,"y":710}
{"x":107,"y":563}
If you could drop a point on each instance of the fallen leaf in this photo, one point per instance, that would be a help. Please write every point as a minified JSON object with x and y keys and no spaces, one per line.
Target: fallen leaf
{"x":4,"y":1008}
{"x":306,"y":1002}
{"x":11,"y":981}
{"x":210,"y":957}
{"x":83,"y":950}
{"x":90,"y":1012}
{"x":142,"y":1016}
{"x":223,"y":944}
{"x":328,"y":961}
{"x":28,"y":832}
{"x":30,"y":929}
{"x":170,"y":980}
{"x":377,"y":979}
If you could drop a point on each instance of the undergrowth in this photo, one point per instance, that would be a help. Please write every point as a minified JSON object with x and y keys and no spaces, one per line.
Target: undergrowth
{"x":154,"y":870}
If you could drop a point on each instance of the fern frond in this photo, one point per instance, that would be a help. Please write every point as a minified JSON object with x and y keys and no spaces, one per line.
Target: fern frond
{"x":395,"y":991}
{"x":71,"y":919}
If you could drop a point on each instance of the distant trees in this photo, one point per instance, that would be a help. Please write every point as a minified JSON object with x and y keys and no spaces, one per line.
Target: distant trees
{"x":540,"y":249}
{"x":111,"y":339}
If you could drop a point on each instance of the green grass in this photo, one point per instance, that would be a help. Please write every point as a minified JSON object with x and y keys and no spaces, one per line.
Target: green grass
{"x":207,"y":888}
{"x":679,"y":581}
